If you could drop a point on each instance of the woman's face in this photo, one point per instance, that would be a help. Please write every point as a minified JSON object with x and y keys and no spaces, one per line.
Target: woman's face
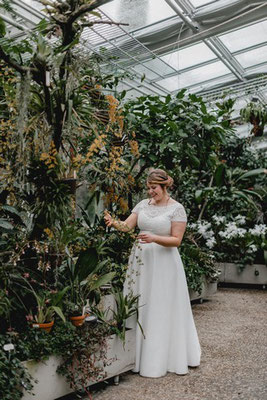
{"x":155,"y":191}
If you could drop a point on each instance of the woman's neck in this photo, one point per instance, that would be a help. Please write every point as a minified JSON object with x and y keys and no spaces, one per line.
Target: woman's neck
{"x":162,"y":202}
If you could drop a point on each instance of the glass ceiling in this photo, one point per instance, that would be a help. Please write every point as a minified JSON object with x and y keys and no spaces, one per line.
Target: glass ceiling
{"x":210,"y":47}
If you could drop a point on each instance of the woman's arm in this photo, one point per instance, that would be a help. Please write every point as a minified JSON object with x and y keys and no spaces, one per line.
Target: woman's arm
{"x":177,"y":233}
{"x":123,"y":226}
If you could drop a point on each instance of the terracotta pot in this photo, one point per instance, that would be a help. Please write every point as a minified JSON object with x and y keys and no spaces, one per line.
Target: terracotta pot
{"x":78,"y":321}
{"x":46,"y":326}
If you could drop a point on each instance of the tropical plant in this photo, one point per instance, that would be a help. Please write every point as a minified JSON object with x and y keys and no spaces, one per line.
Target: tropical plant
{"x":199,"y":264}
{"x":235,"y":183}
{"x":173,"y":130}
{"x":256,"y":113}
{"x":126,"y":306}
{"x":14,"y":378}
{"x":83,"y":280}
{"x":5,"y":304}
{"x":47,"y":305}
{"x":231,"y":239}
{"x":82,"y":351}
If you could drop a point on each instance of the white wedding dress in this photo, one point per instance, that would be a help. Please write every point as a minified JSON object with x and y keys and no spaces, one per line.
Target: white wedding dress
{"x":156,"y":273}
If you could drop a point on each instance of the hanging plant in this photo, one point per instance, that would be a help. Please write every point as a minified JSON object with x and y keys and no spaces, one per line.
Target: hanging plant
{"x":255,"y":113}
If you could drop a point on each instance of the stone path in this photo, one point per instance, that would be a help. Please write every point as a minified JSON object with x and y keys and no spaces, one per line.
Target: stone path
{"x":232,"y":328}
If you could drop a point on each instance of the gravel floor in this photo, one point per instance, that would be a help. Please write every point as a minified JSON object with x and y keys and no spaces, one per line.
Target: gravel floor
{"x":232,"y":328}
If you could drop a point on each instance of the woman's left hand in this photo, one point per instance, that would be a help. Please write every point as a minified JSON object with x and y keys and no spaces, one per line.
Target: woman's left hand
{"x":146,"y":237}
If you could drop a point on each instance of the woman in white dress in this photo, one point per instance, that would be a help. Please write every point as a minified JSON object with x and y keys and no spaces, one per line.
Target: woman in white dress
{"x":170,"y":342}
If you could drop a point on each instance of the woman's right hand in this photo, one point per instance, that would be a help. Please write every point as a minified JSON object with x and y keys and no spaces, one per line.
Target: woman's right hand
{"x":108,"y":218}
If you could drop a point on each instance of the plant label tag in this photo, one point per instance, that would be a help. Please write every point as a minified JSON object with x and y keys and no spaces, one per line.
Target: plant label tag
{"x":35,"y":325}
{"x":8,"y":347}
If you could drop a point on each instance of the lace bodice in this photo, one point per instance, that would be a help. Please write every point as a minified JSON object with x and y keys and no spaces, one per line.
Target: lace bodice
{"x":158,"y":219}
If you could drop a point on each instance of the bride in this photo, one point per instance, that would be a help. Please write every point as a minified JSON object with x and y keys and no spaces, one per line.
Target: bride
{"x":170,"y":342}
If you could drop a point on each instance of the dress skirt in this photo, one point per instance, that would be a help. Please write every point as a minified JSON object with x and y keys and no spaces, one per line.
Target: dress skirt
{"x":171,"y":342}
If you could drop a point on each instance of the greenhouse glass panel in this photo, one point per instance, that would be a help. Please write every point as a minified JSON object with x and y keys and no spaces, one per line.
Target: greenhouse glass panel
{"x":189,"y":56}
{"x":137,"y":13}
{"x":253,"y":57}
{"x":34,"y":4}
{"x":199,"y":3}
{"x":195,"y":76}
{"x":159,"y":69}
{"x":245,"y":37}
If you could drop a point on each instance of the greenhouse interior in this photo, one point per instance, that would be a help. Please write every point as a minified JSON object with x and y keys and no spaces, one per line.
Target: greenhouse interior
{"x":133,"y":198}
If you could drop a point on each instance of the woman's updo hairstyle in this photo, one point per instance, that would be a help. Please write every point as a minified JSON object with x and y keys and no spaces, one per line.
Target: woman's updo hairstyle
{"x":160,"y":177}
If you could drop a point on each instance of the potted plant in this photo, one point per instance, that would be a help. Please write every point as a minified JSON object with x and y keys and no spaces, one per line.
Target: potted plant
{"x":255,"y":113}
{"x":125,"y":307}
{"x":48,"y":304}
{"x":83,"y":279}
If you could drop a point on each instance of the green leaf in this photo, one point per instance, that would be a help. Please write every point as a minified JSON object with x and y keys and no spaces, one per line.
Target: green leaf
{"x":5,"y":224}
{"x":2,"y":28}
{"x":253,"y":172}
{"x":103,"y":280}
{"x":181,"y":94}
{"x":253,"y":193}
{"x":86,"y":263}
{"x":219,"y":175}
{"x":59,"y":313}
{"x":246,"y":198}
{"x":42,"y":25}
{"x":96,"y":14}
{"x":11,"y":210}
{"x":182,"y":134}
{"x":198,"y":195}
{"x":203,"y":108}
{"x":152,"y":157}
{"x":123,"y":94}
{"x":194,"y":160}
{"x":70,"y":45}
{"x":173,"y":125}
{"x":167,"y":99}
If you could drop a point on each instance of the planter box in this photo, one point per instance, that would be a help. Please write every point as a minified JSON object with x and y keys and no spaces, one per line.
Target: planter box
{"x":251,"y":275}
{"x":208,"y":289}
{"x":51,"y":385}
{"x":107,"y":303}
{"x":122,"y":357}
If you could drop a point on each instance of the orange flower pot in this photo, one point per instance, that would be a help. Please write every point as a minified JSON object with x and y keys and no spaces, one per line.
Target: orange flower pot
{"x":78,"y":321}
{"x":46,"y":326}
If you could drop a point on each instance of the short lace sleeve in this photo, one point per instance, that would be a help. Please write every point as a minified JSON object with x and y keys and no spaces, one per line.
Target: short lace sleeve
{"x":179,"y":214}
{"x":138,"y":207}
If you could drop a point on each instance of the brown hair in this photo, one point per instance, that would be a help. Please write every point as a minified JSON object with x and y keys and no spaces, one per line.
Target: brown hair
{"x":160,"y":177}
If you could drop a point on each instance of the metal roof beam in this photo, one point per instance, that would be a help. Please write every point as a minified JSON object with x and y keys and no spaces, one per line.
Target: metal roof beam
{"x":29,"y":9}
{"x":214,"y":44}
{"x":225,"y":56}
{"x":12,"y":22}
{"x":245,"y":88}
{"x":206,"y":29}
{"x":147,"y":85}
{"x":202,"y":64}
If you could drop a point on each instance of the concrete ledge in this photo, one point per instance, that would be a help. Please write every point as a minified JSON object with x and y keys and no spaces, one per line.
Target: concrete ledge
{"x":208,"y":289}
{"x":255,"y":274}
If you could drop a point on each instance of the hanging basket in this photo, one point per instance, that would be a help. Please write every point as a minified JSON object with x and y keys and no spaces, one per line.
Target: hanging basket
{"x":46,"y":326}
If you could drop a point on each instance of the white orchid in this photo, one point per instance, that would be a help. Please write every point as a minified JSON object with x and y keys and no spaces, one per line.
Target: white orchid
{"x":258,"y":230}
